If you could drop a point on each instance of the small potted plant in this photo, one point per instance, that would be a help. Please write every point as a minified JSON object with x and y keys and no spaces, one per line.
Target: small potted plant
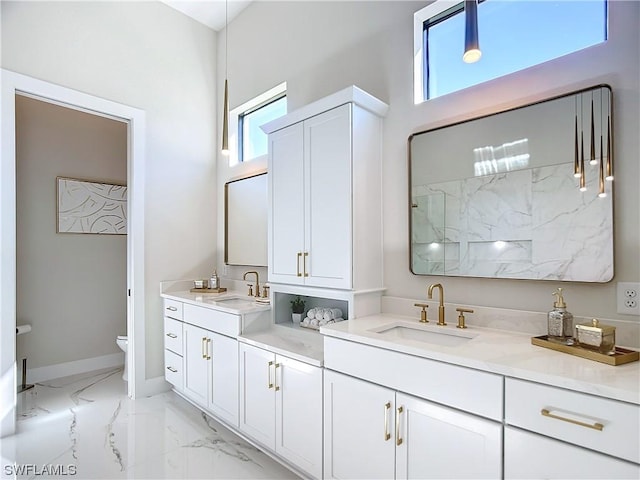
{"x":297,"y":309}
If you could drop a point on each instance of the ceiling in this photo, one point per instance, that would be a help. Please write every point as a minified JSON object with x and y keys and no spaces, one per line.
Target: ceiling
{"x":209,"y":12}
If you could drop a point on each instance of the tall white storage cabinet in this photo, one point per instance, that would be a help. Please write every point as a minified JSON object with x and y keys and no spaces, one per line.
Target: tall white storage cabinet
{"x":325,"y":193}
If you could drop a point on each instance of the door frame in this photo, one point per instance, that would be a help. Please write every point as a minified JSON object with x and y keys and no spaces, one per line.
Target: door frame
{"x":12,"y":84}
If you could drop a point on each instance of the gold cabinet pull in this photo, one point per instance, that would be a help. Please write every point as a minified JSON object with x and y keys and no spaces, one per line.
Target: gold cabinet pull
{"x":298,"y":265}
{"x":172,"y":309}
{"x":171,"y":369}
{"x":269,"y":384}
{"x":595,"y":425}
{"x":208,"y":348}
{"x":202,"y":347}
{"x":387,"y":408}
{"x":304,"y":264}
{"x":275,"y":376}
{"x":399,"y":411}
{"x":172,"y":335}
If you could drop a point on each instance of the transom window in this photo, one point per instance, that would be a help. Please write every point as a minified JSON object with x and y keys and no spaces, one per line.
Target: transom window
{"x":246,"y":139}
{"x":513,"y":35}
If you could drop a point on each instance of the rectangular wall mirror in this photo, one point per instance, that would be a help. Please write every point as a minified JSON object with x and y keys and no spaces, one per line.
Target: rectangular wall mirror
{"x":524,"y":193}
{"x":245,"y":219}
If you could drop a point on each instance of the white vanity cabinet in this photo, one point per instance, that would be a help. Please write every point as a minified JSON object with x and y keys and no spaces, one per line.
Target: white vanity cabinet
{"x":551,"y":432}
{"x":376,"y":432}
{"x":281,"y":406}
{"x":201,"y":357}
{"x":324,"y":193}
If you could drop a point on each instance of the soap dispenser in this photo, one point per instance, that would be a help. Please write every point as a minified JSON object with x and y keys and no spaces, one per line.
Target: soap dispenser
{"x":560,"y":321}
{"x":214,"y":283}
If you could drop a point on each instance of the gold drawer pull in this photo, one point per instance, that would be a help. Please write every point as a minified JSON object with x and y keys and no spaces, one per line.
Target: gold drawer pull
{"x":304,"y":263}
{"x":172,"y":335}
{"x":172,"y":309}
{"x":275,"y":376}
{"x":171,"y":369}
{"x":298,"y":264}
{"x":387,"y":408}
{"x":595,"y":425}
{"x":203,"y":345}
{"x":208,"y":348}
{"x":399,"y":411}
{"x":269,"y":384}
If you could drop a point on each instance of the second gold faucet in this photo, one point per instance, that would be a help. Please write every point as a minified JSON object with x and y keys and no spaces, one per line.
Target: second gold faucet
{"x":244,"y":277}
{"x":441,"y":306}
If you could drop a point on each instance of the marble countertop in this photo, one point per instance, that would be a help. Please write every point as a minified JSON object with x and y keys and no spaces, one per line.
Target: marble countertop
{"x":505,"y":353}
{"x":290,"y":340}
{"x":216,"y":301}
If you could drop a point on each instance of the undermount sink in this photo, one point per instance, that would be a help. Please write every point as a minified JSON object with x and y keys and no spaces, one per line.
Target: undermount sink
{"x":233,"y":302}
{"x":404,"y":331}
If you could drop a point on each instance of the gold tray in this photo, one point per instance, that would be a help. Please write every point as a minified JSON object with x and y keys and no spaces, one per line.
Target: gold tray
{"x":619,"y":357}
{"x":208,"y":290}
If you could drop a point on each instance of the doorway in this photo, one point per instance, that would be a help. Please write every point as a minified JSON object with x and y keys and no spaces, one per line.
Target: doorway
{"x":16,"y":84}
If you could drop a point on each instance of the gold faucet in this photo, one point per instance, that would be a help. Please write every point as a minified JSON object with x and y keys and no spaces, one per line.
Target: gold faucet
{"x":441,"y":307}
{"x":244,"y":277}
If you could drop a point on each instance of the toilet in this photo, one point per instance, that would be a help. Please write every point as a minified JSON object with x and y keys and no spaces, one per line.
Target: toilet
{"x":123,"y":343}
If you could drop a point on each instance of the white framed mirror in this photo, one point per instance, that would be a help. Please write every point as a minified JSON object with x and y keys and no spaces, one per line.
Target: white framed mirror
{"x":245,"y":219}
{"x":498,"y":196}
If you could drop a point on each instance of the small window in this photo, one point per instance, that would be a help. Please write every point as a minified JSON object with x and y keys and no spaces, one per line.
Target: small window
{"x":246,"y":138}
{"x":252,"y":140}
{"x":513,"y":35}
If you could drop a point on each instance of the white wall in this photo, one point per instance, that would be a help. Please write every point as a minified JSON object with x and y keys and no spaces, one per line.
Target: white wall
{"x":148,"y":56}
{"x":79,"y":280}
{"x":321,"y":47}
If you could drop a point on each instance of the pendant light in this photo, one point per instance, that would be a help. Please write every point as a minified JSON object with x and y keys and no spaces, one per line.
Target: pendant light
{"x":472,"y":51}
{"x":225,"y":115}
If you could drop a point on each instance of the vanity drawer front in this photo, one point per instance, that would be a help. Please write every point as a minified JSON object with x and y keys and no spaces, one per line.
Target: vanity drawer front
{"x":173,"y":309}
{"x":213,"y":320}
{"x":458,"y":387}
{"x":173,"y":369}
{"x":608,"y":426}
{"x":173,"y":335}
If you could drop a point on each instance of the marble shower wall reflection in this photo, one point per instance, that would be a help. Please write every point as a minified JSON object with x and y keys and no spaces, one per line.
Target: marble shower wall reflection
{"x":526,"y":223}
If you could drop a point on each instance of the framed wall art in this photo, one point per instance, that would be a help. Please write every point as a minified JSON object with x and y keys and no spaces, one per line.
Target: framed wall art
{"x":91,"y":207}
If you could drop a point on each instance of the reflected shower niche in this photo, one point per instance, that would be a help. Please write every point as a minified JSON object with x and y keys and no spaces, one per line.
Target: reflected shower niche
{"x":523,"y":194}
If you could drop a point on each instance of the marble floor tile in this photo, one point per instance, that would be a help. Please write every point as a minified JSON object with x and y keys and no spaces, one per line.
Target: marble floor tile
{"x":88,"y":425}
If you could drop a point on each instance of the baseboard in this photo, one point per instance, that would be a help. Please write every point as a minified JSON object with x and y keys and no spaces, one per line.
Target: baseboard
{"x":59,"y":370}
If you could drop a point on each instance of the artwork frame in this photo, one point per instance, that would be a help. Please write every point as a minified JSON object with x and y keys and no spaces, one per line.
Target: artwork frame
{"x":90,"y":207}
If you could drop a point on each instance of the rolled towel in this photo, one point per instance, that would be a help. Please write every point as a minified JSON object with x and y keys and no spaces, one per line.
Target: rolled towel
{"x":305,"y":322}
{"x":332,"y":313}
{"x":319,"y":313}
{"x":314,"y":322}
{"x":311,"y":313}
{"x":322,"y":323}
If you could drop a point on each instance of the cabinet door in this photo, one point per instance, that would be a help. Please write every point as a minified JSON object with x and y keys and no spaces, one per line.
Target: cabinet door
{"x":328,"y":236}
{"x":439,"y":442}
{"x":359,"y":436}
{"x":257,"y":394}
{"x":196,"y":363}
{"x":224,"y":378}
{"x":286,"y":197}
{"x":299,"y":414}
{"x":528,"y":455}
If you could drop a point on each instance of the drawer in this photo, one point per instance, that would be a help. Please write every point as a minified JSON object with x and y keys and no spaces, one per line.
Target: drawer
{"x":173,"y":309}
{"x":213,"y":320}
{"x":529,"y":455}
{"x":602,"y":424}
{"x":173,"y":335}
{"x":173,"y":369}
{"x":463,"y":388}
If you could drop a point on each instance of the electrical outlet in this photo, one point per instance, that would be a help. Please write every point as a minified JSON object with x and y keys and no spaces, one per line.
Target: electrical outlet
{"x":628,"y":294}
